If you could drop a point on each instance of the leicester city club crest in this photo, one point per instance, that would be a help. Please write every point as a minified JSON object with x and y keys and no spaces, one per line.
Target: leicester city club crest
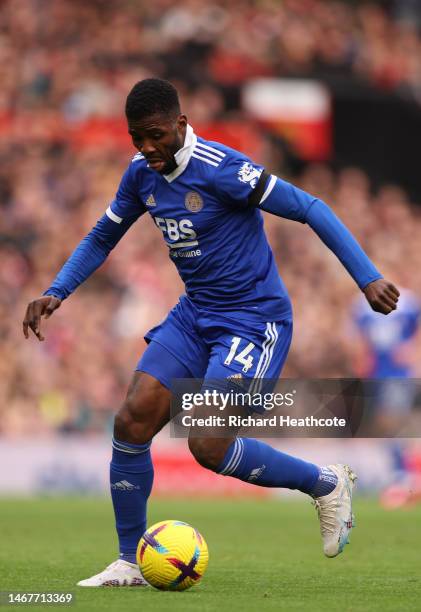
{"x":193,"y":201}
{"x":249,"y":174}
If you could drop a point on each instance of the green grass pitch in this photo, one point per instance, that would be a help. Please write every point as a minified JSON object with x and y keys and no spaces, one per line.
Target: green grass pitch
{"x":264,"y":555}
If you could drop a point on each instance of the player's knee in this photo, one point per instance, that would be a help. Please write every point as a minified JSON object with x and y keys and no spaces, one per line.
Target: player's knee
{"x":144,"y":412}
{"x":208,"y":452}
{"x":131,"y":423}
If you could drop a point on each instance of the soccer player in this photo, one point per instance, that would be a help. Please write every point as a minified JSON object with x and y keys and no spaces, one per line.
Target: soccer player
{"x":388,"y":344}
{"x":385,"y":350}
{"x":235,"y":319}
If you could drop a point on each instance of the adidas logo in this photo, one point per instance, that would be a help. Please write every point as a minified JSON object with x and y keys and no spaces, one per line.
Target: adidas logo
{"x":150,"y":201}
{"x":124,"y":485}
{"x":254,"y":474}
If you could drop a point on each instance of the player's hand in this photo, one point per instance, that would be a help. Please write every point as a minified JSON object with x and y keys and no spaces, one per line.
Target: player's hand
{"x":382,"y":296}
{"x":41,"y":307}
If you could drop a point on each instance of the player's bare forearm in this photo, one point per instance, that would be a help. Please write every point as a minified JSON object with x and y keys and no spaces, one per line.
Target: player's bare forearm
{"x":41,"y":307}
{"x":382,"y":295}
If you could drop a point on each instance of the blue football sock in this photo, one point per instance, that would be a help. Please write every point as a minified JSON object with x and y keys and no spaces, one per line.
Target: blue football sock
{"x":131,"y":478}
{"x":325,"y":483}
{"x":258,"y":463}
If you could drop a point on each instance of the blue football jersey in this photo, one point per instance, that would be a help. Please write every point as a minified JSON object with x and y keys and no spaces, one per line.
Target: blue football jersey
{"x":387,"y":335}
{"x":214,"y":237}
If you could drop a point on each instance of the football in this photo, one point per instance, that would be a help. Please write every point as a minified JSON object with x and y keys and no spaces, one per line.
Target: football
{"x":172,"y":555}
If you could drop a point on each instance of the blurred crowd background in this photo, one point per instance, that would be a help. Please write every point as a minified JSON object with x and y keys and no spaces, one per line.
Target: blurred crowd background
{"x":65,"y":69}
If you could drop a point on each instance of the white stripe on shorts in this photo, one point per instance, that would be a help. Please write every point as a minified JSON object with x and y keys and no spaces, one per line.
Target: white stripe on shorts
{"x":265,"y":358}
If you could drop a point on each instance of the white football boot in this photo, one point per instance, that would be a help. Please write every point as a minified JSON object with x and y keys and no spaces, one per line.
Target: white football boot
{"x":118,"y":574}
{"x":335,"y":511}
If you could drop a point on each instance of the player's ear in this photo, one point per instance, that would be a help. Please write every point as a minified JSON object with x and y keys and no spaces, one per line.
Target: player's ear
{"x":181,"y":122}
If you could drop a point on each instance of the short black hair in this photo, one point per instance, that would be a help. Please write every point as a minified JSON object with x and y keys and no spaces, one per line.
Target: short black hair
{"x":150,"y":97}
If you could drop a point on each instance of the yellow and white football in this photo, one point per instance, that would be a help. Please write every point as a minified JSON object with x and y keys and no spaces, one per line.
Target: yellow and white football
{"x":172,"y":555}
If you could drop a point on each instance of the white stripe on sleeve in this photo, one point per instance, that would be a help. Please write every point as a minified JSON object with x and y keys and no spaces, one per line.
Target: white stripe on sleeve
{"x":269,"y":188}
{"x":113,"y":216}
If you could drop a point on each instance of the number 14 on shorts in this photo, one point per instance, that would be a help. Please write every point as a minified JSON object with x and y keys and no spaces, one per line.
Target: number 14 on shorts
{"x":242,"y":357}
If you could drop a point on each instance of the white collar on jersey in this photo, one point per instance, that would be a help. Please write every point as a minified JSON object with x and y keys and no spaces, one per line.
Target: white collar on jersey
{"x":182,"y":157}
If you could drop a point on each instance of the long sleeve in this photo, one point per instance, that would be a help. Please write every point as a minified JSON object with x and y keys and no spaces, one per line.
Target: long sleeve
{"x":286,"y":200}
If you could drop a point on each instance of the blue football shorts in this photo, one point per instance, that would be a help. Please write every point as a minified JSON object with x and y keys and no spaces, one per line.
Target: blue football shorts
{"x":196,"y":343}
